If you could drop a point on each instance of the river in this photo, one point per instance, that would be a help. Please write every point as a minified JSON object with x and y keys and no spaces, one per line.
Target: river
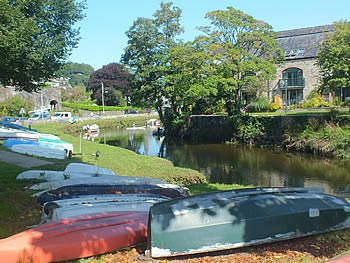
{"x":229,"y":164}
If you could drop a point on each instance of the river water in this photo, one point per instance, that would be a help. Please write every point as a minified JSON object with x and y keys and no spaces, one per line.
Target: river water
{"x":228,"y":164}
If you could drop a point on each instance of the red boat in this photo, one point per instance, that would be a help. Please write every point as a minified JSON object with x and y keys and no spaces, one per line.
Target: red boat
{"x":74,"y":238}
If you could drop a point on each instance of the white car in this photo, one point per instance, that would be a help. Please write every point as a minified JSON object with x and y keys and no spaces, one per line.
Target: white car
{"x":37,"y":116}
{"x":61,"y":116}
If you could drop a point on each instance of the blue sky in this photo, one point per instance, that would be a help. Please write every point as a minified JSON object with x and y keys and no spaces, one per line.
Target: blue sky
{"x":103,"y":29}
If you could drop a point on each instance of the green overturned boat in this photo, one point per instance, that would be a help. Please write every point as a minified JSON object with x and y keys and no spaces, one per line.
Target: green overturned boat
{"x":230,"y":219}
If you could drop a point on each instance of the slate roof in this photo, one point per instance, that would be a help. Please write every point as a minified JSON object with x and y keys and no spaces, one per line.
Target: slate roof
{"x":303,"y":42}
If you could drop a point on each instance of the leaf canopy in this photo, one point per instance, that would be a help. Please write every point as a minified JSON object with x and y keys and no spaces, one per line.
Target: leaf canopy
{"x":36,"y":36}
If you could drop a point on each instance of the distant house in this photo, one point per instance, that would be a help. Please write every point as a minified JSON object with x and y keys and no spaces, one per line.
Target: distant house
{"x":300,"y":74}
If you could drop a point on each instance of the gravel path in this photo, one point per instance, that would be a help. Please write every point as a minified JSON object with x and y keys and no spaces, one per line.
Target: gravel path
{"x":21,"y":160}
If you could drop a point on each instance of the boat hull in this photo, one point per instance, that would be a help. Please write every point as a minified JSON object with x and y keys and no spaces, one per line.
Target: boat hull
{"x":81,"y":178}
{"x":229,"y":219}
{"x":75,"y":238}
{"x":36,"y":148}
{"x":72,"y":171}
{"x":67,"y":208}
{"x":70,"y":191}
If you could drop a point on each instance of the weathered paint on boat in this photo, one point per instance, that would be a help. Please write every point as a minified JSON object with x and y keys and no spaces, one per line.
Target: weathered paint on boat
{"x":87,"y":204}
{"x":69,"y":191}
{"x":231,"y":219}
{"x":74,"y":238}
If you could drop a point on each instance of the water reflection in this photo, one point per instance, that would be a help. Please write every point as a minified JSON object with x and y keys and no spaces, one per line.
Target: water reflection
{"x":238,"y":165}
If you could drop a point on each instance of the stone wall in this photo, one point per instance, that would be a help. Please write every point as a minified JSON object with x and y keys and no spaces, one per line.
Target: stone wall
{"x":213,"y":128}
{"x":46,"y":97}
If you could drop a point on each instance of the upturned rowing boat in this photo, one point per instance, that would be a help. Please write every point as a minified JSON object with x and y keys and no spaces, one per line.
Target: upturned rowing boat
{"x":231,"y":219}
{"x":74,"y":238}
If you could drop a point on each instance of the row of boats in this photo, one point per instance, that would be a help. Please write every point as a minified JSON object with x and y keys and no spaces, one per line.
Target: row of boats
{"x":25,"y":140}
{"x":86,"y":210}
{"x":89,"y":210}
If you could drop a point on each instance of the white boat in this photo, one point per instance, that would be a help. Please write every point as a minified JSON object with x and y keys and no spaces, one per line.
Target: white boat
{"x":102,"y":179}
{"x":153,"y":123}
{"x":9,"y":133}
{"x":72,"y":171}
{"x":36,"y":148}
{"x":89,"y":204}
{"x":67,"y":146}
{"x":91,"y":132}
{"x":136,"y":128}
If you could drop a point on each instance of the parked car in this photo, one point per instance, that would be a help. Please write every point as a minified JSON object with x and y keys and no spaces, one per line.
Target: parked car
{"x":131,"y":111}
{"x":61,"y":116}
{"x":36,"y":116}
{"x":8,"y":119}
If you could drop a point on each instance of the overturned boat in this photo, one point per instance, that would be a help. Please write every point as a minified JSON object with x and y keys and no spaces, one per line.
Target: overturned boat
{"x":71,"y":191}
{"x":91,"y":204}
{"x":231,"y":219}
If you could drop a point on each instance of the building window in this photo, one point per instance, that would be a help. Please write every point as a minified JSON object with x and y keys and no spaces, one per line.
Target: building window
{"x":292,"y":85}
{"x":293,"y":96}
{"x":300,"y":52}
{"x":293,"y":77}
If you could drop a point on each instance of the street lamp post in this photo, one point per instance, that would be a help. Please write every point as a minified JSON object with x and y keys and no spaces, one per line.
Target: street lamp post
{"x":103,"y":99}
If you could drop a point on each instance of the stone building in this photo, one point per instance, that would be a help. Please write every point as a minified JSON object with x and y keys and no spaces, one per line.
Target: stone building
{"x":300,"y":74}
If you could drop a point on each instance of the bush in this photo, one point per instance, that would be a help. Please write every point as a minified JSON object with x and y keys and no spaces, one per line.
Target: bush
{"x":274,"y":106}
{"x":259,"y":104}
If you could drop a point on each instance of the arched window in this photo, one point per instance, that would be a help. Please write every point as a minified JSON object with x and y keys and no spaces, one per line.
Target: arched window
{"x":292,"y":86}
{"x":293,"y":77}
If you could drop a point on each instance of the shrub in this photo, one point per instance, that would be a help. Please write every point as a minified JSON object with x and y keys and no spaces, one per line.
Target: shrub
{"x":259,"y":104}
{"x":274,"y":106}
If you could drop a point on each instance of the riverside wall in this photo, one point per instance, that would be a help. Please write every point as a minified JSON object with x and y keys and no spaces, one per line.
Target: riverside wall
{"x":214,"y":128}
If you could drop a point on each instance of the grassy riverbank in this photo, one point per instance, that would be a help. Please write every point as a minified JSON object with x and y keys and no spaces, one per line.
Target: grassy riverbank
{"x":19,"y":210}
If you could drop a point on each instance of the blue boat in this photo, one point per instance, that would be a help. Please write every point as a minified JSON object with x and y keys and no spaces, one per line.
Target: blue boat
{"x":15,"y":126}
{"x":36,"y":148}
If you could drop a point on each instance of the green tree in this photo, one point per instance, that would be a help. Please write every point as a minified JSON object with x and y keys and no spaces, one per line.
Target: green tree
{"x":243,"y":53}
{"x":36,"y":36}
{"x":188,"y":87}
{"x":334,"y":58}
{"x":150,"y":41}
{"x":13,"y":105}
{"x":76,"y":73}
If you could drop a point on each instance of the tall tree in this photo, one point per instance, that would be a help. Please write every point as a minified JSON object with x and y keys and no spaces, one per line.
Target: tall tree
{"x":242,"y":51}
{"x":189,"y":85}
{"x":36,"y":36}
{"x":334,"y":58}
{"x":150,"y":41}
{"x":113,"y":77}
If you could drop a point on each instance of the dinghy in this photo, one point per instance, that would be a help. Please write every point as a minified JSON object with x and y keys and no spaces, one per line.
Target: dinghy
{"x":92,"y":179}
{"x":36,"y":148}
{"x":67,"y":208}
{"x":8,"y":133}
{"x":69,"y":191}
{"x":72,"y":171}
{"x":231,"y":219}
{"x":82,"y":236}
